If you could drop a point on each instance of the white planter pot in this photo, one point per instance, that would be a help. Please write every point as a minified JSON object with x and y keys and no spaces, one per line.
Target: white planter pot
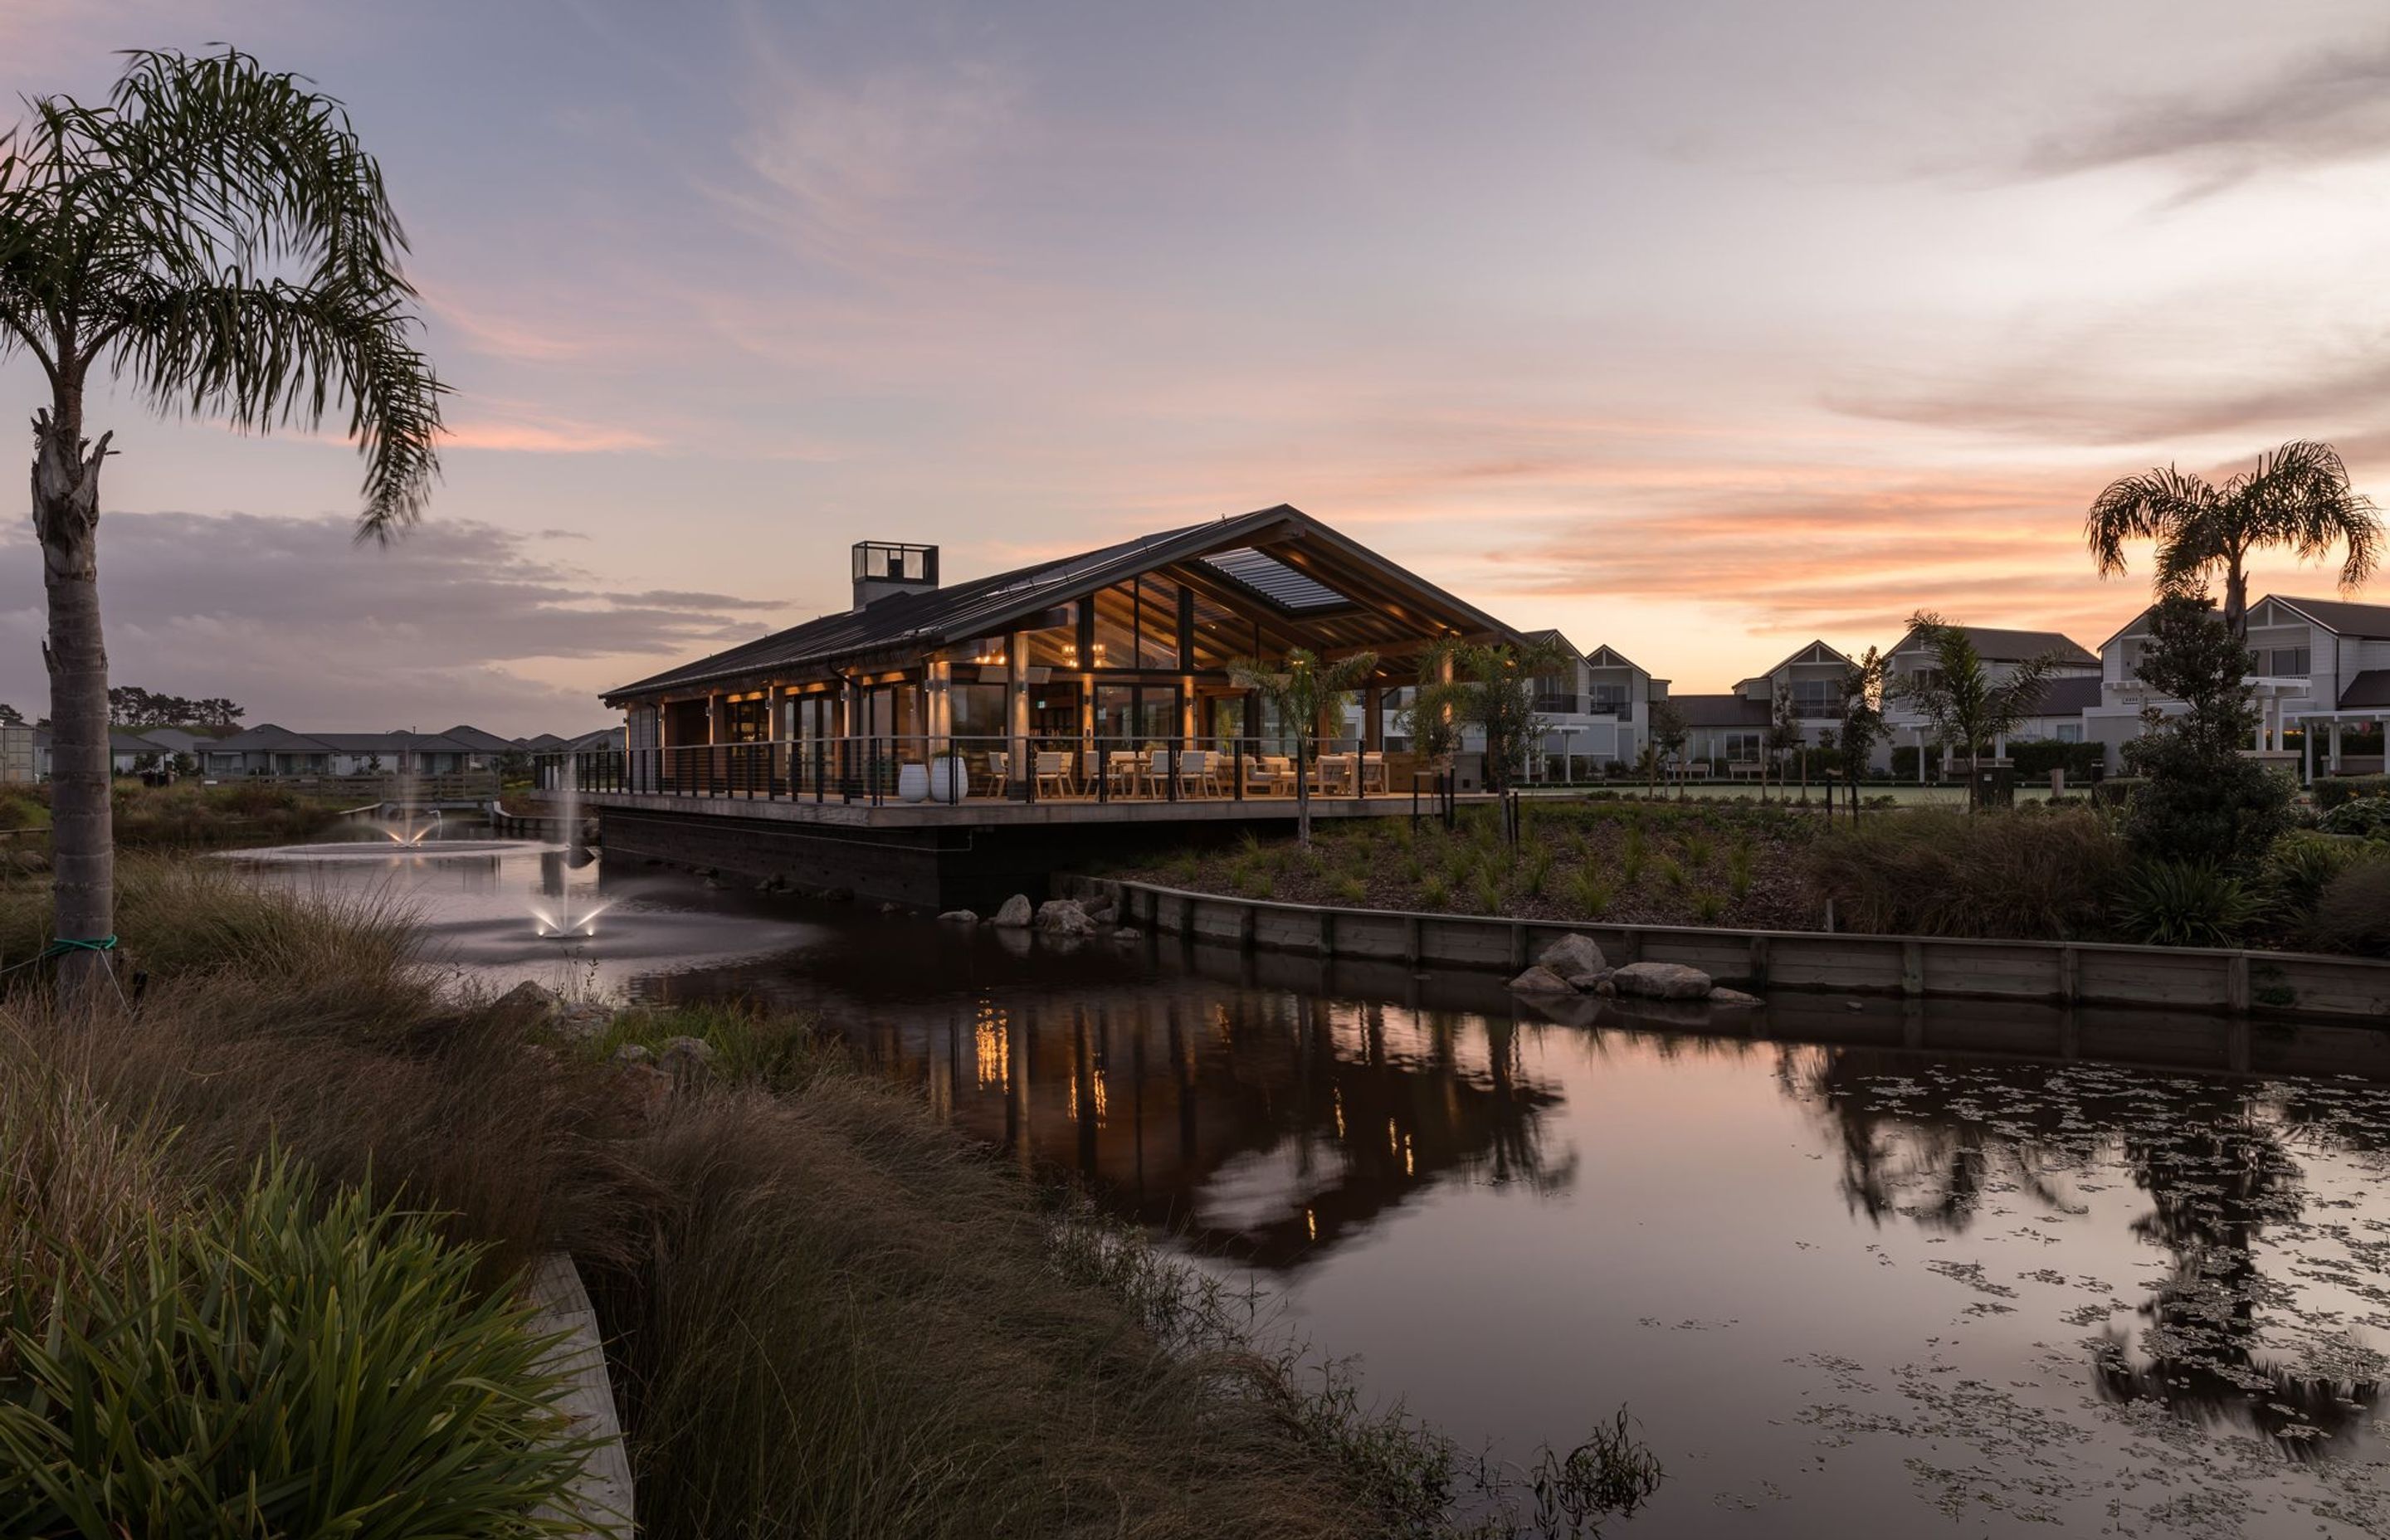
{"x":913,"y":783}
{"x":949,"y":779}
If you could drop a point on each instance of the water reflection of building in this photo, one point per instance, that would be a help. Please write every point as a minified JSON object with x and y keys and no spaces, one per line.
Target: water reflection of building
{"x":1258,"y":1124}
{"x":1926,"y":1142}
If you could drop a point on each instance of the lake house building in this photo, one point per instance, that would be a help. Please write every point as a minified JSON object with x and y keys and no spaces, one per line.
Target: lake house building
{"x":1100,"y":676}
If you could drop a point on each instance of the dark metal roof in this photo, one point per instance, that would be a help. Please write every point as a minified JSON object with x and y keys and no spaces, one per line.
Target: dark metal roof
{"x":2066,"y":696}
{"x":1721,"y":711}
{"x":2371,"y":687}
{"x":989,"y":606}
{"x":2001,"y":645}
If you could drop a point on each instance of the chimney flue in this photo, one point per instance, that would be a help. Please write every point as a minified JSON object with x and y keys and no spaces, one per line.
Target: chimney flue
{"x":883,"y":568}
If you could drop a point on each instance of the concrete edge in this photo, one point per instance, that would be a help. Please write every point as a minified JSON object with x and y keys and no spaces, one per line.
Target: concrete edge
{"x":2233,"y":981}
{"x":601,"y":1501}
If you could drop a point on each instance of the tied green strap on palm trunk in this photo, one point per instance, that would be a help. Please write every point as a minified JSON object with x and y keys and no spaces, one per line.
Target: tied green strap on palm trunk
{"x":63,"y":945}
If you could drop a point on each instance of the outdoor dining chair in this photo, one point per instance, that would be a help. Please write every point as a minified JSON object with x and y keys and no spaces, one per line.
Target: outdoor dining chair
{"x":1053,"y":772}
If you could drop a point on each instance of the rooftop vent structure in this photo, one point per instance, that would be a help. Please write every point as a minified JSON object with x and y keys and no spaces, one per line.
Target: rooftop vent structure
{"x":883,"y":569}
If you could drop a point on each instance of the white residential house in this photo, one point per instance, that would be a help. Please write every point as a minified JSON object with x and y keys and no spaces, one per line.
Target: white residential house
{"x":2058,"y":715}
{"x":1728,"y":732}
{"x":1597,"y":713}
{"x":2321,"y":672}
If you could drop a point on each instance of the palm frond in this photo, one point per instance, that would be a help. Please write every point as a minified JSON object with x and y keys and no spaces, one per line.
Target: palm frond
{"x":2148,"y":507}
{"x":216,"y":232}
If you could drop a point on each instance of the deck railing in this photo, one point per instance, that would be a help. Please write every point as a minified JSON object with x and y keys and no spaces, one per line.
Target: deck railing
{"x":955,"y":770}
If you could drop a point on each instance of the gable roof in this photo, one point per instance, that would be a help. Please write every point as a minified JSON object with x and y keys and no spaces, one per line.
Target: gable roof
{"x":1606,"y":656}
{"x":478,"y":741}
{"x":1817,"y":651}
{"x":2001,"y":645}
{"x":1281,"y":579}
{"x":2342,"y":617}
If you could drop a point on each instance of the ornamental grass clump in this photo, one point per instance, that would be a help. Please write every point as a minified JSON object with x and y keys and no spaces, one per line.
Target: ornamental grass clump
{"x":2030,"y":875}
{"x":282,"y":1362}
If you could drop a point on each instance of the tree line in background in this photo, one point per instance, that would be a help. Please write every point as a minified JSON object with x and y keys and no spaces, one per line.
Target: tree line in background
{"x":130,"y":706}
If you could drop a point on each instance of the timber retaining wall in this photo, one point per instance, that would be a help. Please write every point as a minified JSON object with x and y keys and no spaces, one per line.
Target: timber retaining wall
{"x":2183,"y":978}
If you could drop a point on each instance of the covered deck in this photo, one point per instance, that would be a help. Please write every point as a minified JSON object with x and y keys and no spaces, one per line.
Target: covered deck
{"x":1101,"y":681}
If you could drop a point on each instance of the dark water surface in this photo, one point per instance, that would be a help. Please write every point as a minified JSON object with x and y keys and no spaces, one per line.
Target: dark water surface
{"x":1856,"y":1269}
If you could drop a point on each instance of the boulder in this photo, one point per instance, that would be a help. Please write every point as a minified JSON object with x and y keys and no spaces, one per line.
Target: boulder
{"x":1063,"y":917}
{"x":584,"y":1020}
{"x":1541,"y":979}
{"x":960,"y":917}
{"x":634,"y":1053}
{"x":1572,"y":955}
{"x":1102,"y":913}
{"x":686,"y":1060}
{"x":1659,"y":980}
{"x":1586,"y":984}
{"x":1015,"y":914}
{"x":1721,"y":995}
{"x":1128,"y":933}
{"x":527,"y":999}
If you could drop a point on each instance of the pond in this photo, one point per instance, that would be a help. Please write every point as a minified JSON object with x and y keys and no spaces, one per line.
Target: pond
{"x":1855,"y":1268}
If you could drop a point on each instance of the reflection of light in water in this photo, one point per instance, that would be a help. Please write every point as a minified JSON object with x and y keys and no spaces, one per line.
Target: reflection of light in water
{"x":409,"y":832}
{"x":992,"y":1051}
{"x":560,"y":924}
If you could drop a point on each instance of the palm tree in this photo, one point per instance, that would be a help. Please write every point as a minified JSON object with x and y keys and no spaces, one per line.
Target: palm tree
{"x":1491,"y":688}
{"x":213,"y":240}
{"x":2297,"y":497}
{"x":1307,"y":692}
{"x":1961,"y":702}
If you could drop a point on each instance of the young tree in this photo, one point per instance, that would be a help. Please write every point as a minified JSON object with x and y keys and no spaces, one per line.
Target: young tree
{"x":1785,"y":734}
{"x":212,"y":239}
{"x":1965,"y":707}
{"x":1669,"y":731}
{"x":1861,"y":725}
{"x":2202,"y":799}
{"x":2297,"y":497}
{"x":1305,"y":692}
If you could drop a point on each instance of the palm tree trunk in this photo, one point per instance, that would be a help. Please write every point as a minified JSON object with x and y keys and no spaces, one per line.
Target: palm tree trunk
{"x":66,"y":517}
{"x":2236,"y":598}
{"x":1302,"y":797}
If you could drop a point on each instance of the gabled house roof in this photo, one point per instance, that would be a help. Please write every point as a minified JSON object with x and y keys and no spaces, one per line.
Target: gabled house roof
{"x":478,"y":741}
{"x":2340,"y":617}
{"x":1278,"y":560}
{"x":2000,"y":645}
{"x":1606,"y":656}
{"x":1814,"y":652}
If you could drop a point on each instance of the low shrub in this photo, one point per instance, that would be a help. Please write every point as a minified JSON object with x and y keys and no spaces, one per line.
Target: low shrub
{"x":2366,"y":816}
{"x":1936,"y":872}
{"x":2185,"y":904}
{"x":2302,"y":865}
{"x":282,"y":1364}
{"x":2036,"y":758}
{"x":2351,"y":914}
{"x":1590,"y":893}
{"x":2332,"y":791}
{"x":1350,"y":890}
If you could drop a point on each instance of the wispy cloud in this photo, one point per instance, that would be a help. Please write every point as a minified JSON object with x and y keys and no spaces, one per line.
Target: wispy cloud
{"x":2328,"y":106}
{"x":519,"y":429}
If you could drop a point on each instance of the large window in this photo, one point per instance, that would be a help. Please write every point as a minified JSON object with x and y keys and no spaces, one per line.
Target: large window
{"x":2284,"y":662}
{"x":1608,"y":700}
{"x":978,"y":710}
{"x":1740,"y":745}
{"x":1817,"y":697}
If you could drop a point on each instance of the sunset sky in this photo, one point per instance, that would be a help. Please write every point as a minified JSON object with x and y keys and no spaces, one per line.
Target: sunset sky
{"x":1696,"y":329}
